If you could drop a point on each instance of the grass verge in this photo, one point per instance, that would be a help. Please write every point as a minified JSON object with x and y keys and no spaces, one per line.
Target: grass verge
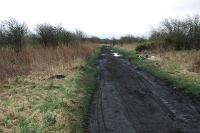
{"x":170,"y":74}
{"x":50,"y":105}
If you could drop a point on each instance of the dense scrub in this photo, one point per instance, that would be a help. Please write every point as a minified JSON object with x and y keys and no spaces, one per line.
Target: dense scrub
{"x":178,"y":34}
{"x":16,"y":35}
{"x":175,"y":35}
{"x":23,"y":52}
{"x":145,"y":46}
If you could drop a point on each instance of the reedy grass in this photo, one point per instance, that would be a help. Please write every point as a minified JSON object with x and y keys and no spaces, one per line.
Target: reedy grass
{"x":30,"y":105}
{"x":40,"y":60}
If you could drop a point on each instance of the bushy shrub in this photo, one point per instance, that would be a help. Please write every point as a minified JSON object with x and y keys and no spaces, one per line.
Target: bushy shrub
{"x":13,"y":33}
{"x":178,"y":34}
{"x":47,"y":34}
{"x":131,"y":39}
{"x":55,"y":35}
{"x":145,"y":46}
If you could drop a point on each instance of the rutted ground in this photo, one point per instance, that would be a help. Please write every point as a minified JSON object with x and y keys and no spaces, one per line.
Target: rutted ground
{"x":130,"y":101}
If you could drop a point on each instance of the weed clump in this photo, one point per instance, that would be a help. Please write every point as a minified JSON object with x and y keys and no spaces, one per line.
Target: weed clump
{"x":145,"y":46}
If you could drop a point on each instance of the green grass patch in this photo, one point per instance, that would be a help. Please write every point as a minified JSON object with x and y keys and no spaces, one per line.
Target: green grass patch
{"x":170,"y":74}
{"x":28,"y":126}
{"x":78,"y":92}
{"x":87,"y":81}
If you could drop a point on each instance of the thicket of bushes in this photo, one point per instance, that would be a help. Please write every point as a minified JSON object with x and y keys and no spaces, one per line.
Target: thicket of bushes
{"x":176,"y":34}
{"x":127,"y":39}
{"x":179,"y":34}
{"x":131,"y":39}
{"x":145,"y":46}
{"x":14,"y":34}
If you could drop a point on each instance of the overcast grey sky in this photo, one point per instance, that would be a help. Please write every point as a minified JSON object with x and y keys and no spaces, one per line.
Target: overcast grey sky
{"x":103,"y":18}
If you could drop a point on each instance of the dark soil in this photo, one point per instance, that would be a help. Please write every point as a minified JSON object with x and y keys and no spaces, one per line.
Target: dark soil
{"x":57,"y":77}
{"x":128,"y":100}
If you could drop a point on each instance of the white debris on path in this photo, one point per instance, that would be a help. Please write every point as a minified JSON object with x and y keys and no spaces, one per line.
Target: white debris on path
{"x":116,"y":54}
{"x":154,"y":58}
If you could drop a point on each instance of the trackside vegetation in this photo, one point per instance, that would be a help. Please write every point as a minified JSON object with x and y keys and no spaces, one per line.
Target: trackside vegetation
{"x":175,"y":34}
{"x":51,"y":105}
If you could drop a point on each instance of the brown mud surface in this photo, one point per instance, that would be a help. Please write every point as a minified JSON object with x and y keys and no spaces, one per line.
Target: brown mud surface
{"x":128,"y":100}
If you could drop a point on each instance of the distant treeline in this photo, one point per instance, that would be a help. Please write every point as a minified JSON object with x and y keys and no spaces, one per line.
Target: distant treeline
{"x":178,"y":34}
{"x":14,"y":34}
{"x":127,"y":39}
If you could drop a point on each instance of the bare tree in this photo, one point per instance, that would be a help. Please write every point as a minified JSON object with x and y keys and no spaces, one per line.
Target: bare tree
{"x":47,"y":34}
{"x":2,"y":36}
{"x":54,"y":35}
{"x":80,"y":36}
{"x":63,"y":36}
{"x":179,"y":34}
{"x":131,"y":39}
{"x":14,"y":33}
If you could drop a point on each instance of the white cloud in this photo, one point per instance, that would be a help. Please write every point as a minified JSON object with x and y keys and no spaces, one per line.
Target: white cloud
{"x":99,"y":17}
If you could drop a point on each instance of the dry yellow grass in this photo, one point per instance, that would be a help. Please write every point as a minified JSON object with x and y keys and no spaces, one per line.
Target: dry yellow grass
{"x":186,"y":62}
{"x":43,"y":60}
{"x":34,"y":102}
{"x":179,"y":62}
{"x":189,"y":60}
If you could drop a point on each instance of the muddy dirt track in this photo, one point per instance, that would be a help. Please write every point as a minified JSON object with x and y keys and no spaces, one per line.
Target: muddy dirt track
{"x":128,"y":100}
